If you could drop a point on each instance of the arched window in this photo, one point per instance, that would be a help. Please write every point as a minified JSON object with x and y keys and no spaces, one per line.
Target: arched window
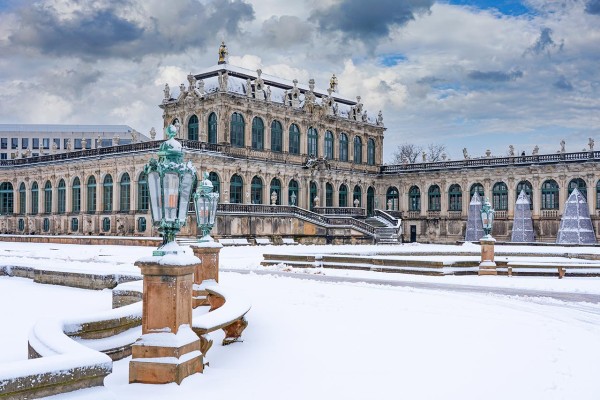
{"x":22,"y":199}
{"x":212,"y":128}
{"x":434,"y":198}
{"x":48,"y":197}
{"x":143,"y":193}
{"x":76,"y":195}
{"x":343,"y":147}
{"x":477,"y":187}
{"x":500,"y":196}
{"x":62,"y":197}
{"x":35,"y":200}
{"x":329,"y":145}
{"x":276,"y":187}
{"x":414,"y":199}
{"x":598,"y":195}
{"x":455,"y":198}
{"x":371,"y":152}
{"x":525,"y":186}
{"x":550,"y":195}
{"x":256,"y":190}
{"x":214,"y":179}
{"x":124,"y":193}
{"x":91,"y":194}
{"x":6,"y":198}
{"x":293,"y":193}
{"x":313,"y":140}
{"x":294,"y":145}
{"x":313,"y":193}
{"x":258,"y":134}
{"x":343,"y":196}
{"x":236,"y":189}
{"x":370,"y":201}
{"x":357,"y":150}
{"x":237,"y":130}
{"x":391,"y":198}
{"x":357,"y":195}
{"x":328,"y":195}
{"x":193,"y":128}
{"x":580,"y":185}
{"x":276,"y":136}
{"x":107,"y":193}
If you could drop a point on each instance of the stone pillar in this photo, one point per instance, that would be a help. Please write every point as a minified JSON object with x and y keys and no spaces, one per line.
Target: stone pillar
{"x":167,"y":337}
{"x":207,"y":272}
{"x":487,"y":265}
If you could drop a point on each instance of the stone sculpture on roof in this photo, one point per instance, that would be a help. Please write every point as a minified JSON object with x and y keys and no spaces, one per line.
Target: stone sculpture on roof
{"x":333,"y":83}
{"x":223,"y":53}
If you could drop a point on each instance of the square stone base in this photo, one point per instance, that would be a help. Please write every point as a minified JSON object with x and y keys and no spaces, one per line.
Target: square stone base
{"x":487,"y":268}
{"x":141,"y":371}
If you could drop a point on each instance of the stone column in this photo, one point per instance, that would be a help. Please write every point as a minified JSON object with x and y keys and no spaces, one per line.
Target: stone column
{"x":207,"y":272}
{"x":487,"y":266}
{"x":168,"y":350}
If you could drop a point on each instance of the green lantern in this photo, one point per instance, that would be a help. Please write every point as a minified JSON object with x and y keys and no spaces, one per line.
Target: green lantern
{"x":170,"y":183}
{"x":487,"y":218}
{"x":206,"y":202}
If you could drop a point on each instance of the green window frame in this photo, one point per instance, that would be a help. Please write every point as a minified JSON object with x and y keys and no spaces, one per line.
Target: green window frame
{"x":343,"y":147}
{"x":455,"y":198}
{"x":371,"y":151}
{"x":477,"y":187}
{"x":107,"y":193}
{"x":550,"y":195}
{"x":343,"y":196}
{"x":237,"y":130}
{"x":526,"y":186}
{"x":105,"y":224}
{"x":328,"y":195}
{"x":46,"y":224}
{"x":256,"y":190}
{"x":125,"y":193}
{"x":329,"y":145}
{"x":62,"y":197}
{"x":91,"y":194}
{"x":276,"y":187}
{"x":357,"y":195}
{"x":76,"y":195}
{"x":143,"y":193}
{"x":293,"y":188}
{"x":500,"y":196}
{"x":258,"y":134}
{"x":141,"y":224}
{"x":414,"y":199}
{"x":314,"y":192}
{"x":6,"y":198}
{"x":21,"y":224}
{"x":74,"y":224}
{"x":580,"y":185}
{"x":294,"y":139}
{"x":357,"y":150}
{"x":434,"y":198}
{"x":22,"y":199}
{"x":35,"y":199}
{"x":48,"y":198}
{"x":392,"y":194}
{"x":276,"y":136}
{"x":193,"y":128}
{"x":312,"y":148}
{"x":212,"y":128}
{"x":236,"y":189}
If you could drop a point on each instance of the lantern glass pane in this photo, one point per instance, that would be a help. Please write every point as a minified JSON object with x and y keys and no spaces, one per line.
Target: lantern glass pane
{"x":201,"y":211}
{"x":184,"y":199}
{"x":155,"y":196}
{"x":171,"y":190}
{"x":214,"y":202}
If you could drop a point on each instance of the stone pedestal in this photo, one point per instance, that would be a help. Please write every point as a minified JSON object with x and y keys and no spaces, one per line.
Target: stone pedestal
{"x":168,"y":350}
{"x":206,"y":272}
{"x":487,"y":266}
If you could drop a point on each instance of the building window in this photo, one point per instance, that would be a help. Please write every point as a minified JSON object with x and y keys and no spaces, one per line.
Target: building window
{"x":34,"y":198}
{"x":62,"y":197}
{"x":46,"y":143}
{"x":25,"y":143}
{"x":107,"y":193}
{"x":46,"y":224}
{"x":236,"y":189}
{"x":193,"y":128}
{"x":549,"y":195}
{"x":74,"y":224}
{"x":312,"y":144}
{"x":124,"y":193}
{"x":328,"y":195}
{"x":3,"y":156}
{"x":276,"y":187}
{"x":6,"y":198}
{"x":357,"y":195}
{"x":391,"y":198}
{"x":35,"y":143}
{"x":237,"y":130}
{"x":57,"y":143}
{"x":14,"y":143}
{"x":370,"y":201}
{"x":313,"y":194}
{"x":256,"y":189}
{"x":293,"y":193}
{"x":212,"y":128}
{"x":329,"y":145}
{"x":76,"y":194}
{"x":21,"y":224}
{"x":77,"y":144}
{"x":105,"y":224}
{"x":294,"y":147}
{"x":357,"y":150}
{"x":598,"y":195}
{"x":343,"y":196}
{"x":141,"y":224}
{"x":580,"y":185}
{"x":106,"y":142}
{"x":455,"y":198}
{"x":258,"y":134}
{"x":91,"y":194}
{"x":48,"y":198}
{"x":434,"y":197}
{"x":343,"y":147}
{"x":477,"y":187}
{"x":525,"y":186}
{"x":414,"y":199}
{"x":143,"y":193}
{"x":371,"y":152}
{"x":500,"y":196}
{"x":276,"y":136}
{"x":4,"y":143}
{"x":22,"y":199}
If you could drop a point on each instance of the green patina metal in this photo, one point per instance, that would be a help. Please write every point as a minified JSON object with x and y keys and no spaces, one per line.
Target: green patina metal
{"x":206,"y":202}
{"x":487,"y":217}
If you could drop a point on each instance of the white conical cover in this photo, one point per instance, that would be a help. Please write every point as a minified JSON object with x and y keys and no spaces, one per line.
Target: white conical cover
{"x":522,"y":226}
{"x":474,"y":224}
{"x":575,"y":225}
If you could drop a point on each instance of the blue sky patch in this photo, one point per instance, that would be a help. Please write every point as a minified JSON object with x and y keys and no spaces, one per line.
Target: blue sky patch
{"x":389,"y":60}
{"x":506,"y":7}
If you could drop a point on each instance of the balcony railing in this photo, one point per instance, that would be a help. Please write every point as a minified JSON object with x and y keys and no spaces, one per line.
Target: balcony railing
{"x":352,"y":211}
{"x":549,"y":213}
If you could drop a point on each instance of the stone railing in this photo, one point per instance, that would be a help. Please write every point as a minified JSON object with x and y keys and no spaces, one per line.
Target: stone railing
{"x":385,"y":215}
{"x":456,"y":214}
{"x":434,"y":214}
{"x":549,"y":213}
{"x":352,"y":211}
{"x":413,"y":214}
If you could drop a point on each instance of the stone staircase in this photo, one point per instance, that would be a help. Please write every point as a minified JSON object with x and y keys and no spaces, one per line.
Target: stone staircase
{"x":384,"y":232}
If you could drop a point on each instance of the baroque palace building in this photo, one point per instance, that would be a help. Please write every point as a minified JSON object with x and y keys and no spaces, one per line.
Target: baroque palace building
{"x":288,"y":160}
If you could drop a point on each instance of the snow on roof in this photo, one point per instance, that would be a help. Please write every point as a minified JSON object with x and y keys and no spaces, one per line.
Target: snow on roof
{"x":64,"y":128}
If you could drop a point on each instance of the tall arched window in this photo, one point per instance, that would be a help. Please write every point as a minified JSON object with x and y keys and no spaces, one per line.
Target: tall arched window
{"x":357,"y":150}
{"x":391,"y":198}
{"x":143,"y":193}
{"x":91,"y":194}
{"x":598,"y":195}
{"x":525,"y":186}
{"x":455,"y":198}
{"x":237,"y":130}
{"x":256,"y":190}
{"x":314,"y":192}
{"x":329,"y":145}
{"x":258,"y":134}
{"x":35,"y":199}
{"x":477,"y":187}
{"x":328,"y":195}
{"x":62,"y":197}
{"x":293,"y":193}
{"x":500,"y":196}
{"x":343,"y":196}
{"x":216,"y":182}
{"x":371,"y":152}
{"x":312,"y":143}
{"x":370,"y":201}
{"x":550,"y":195}
{"x":434,"y":198}
{"x":212,"y":128}
{"x":580,"y":185}
{"x":107,"y":193}
{"x":294,"y":145}
{"x":48,"y":197}
{"x":414,"y":199}
{"x":6,"y":198}
{"x":125,"y":193}
{"x":22,"y":199}
{"x":276,"y":187}
{"x":357,"y":195}
{"x":343,"y":147}
{"x":76,"y":195}
{"x":193,"y":128}
{"x":276,"y":136}
{"x":236,"y":189}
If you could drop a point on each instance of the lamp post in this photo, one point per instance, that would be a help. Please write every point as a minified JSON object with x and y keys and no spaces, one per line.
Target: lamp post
{"x":206,"y":202}
{"x":487,"y":266}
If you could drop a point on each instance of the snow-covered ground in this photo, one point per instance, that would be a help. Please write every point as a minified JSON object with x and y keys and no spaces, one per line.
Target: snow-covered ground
{"x":351,"y":340}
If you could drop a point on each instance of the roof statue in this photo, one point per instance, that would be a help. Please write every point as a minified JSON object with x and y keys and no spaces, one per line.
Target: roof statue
{"x":522,"y":226}
{"x":474,"y":224}
{"x":333,"y":83}
{"x":223,"y":53}
{"x":575,"y":225}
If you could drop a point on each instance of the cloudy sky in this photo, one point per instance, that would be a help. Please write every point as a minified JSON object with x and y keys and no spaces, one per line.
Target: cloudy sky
{"x":465,"y":73}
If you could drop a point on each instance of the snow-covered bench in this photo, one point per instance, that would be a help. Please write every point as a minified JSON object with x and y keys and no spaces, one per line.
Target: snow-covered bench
{"x":263,"y":241}
{"x":535,"y":270}
{"x":288,"y":241}
{"x":234,"y":242}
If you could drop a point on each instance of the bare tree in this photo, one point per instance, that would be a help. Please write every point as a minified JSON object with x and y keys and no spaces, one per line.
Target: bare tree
{"x":435,"y":151}
{"x":411,"y":153}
